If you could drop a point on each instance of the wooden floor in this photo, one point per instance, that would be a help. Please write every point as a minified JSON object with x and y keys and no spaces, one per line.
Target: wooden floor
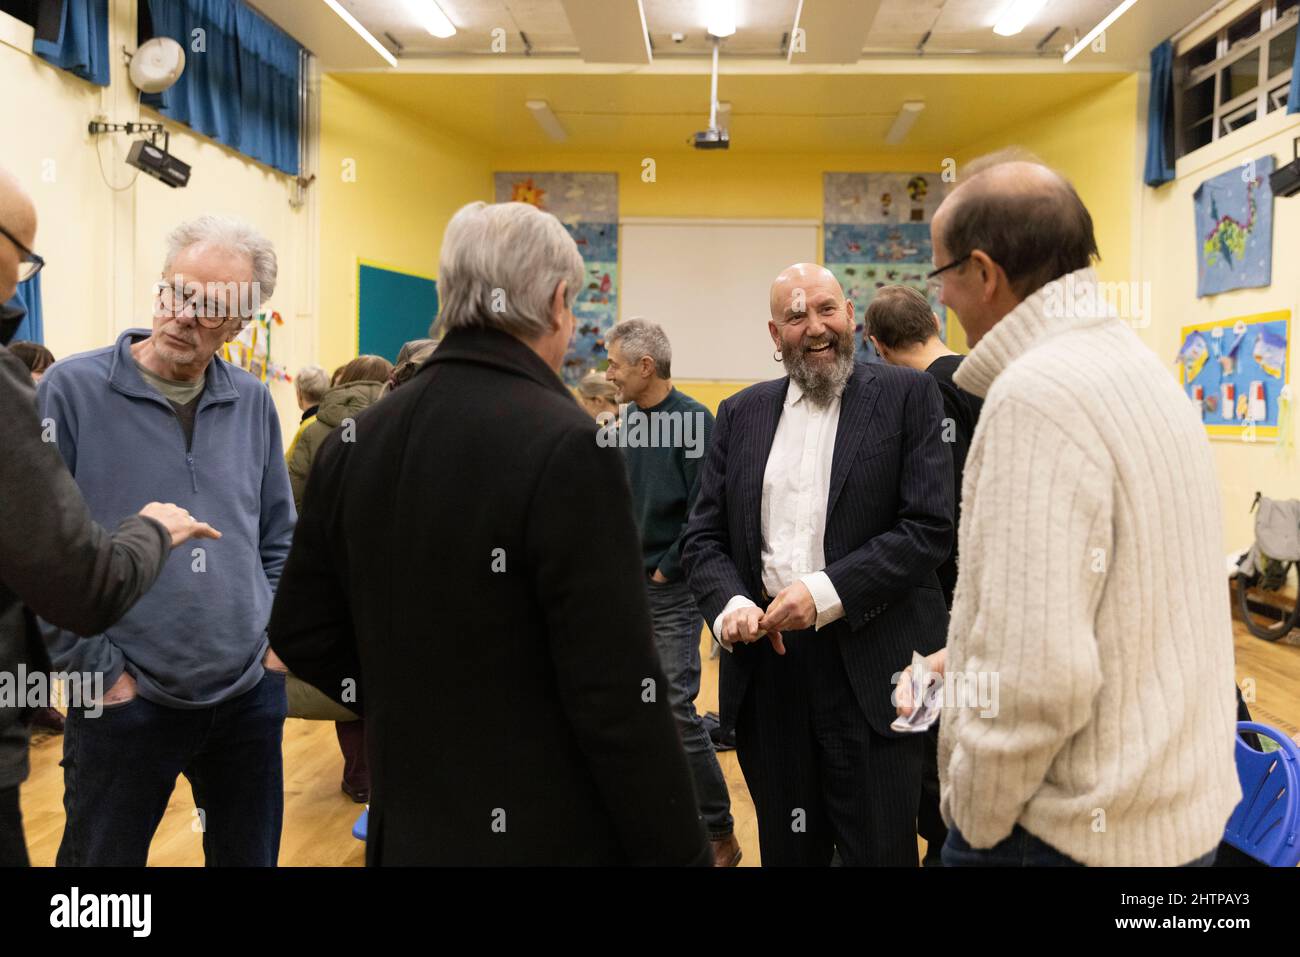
{"x":318,"y":817}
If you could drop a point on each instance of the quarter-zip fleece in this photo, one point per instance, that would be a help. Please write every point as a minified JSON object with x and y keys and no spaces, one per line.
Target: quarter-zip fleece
{"x":199,"y":636}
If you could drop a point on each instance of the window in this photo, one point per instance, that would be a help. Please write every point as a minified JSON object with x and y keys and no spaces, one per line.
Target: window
{"x":1236,"y":76}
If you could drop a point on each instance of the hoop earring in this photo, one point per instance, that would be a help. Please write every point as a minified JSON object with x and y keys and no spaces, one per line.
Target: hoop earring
{"x":777,"y":357}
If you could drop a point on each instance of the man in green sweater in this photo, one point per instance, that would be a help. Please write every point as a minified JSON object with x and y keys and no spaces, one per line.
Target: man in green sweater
{"x":664,"y":435}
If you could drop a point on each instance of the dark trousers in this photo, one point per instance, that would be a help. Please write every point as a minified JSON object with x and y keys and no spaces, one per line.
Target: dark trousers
{"x":677,"y":621}
{"x":119,"y":770}
{"x":1019,"y":849}
{"x":13,"y":847}
{"x":929,"y":822}
{"x":821,"y":777}
{"x":352,"y":742}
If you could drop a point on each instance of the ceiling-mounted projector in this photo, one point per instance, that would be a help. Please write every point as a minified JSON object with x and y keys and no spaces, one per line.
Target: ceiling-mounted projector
{"x":157,"y":65}
{"x":715,"y":137}
{"x":712,"y":139}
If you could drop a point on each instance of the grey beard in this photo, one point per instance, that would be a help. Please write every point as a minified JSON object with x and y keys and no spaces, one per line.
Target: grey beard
{"x":822,"y":386}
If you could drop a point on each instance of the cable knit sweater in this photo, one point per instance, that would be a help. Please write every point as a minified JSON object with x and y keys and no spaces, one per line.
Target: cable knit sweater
{"x":1091,"y":590}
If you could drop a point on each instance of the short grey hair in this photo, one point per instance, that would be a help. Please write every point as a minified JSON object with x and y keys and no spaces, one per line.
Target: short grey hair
{"x":640,"y":337}
{"x":231,"y":234}
{"x":500,"y":266}
{"x":313,"y":382}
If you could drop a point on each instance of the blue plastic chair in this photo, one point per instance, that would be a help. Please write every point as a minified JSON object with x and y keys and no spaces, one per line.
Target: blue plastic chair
{"x":1266,"y":824}
{"x":359,"y":829}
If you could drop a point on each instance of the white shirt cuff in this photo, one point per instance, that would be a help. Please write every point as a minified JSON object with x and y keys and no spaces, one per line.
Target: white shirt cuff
{"x":825,"y":598}
{"x":738,"y":601}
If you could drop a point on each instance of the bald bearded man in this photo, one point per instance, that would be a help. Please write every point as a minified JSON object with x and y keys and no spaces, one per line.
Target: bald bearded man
{"x":825,"y":509}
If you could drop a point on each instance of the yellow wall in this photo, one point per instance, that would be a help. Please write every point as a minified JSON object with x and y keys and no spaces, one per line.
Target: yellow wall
{"x":104,"y":249}
{"x":409,"y":180}
{"x":722,"y":185}
{"x":1168,"y":261}
{"x":1094,"y":141}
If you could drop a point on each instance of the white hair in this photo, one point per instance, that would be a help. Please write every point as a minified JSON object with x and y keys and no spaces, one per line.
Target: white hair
{"x":230,"y":234}
{"x":500,"y":266}
{"x":313,"y":382}
{"x":640,"y":337}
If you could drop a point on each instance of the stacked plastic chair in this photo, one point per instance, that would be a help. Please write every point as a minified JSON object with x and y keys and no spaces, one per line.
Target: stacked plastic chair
{"x":1266,"y":824}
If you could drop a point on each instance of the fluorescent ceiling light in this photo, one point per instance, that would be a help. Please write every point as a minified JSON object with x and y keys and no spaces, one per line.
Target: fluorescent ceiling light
{"x":1098,"y":30}
{"x":904,"y":122}
{"x":1017,"y":16}
{"x":432,"y":18}
{"x":721,"y":18}
{"x":547,"y":120}
{"x":361,"y":31}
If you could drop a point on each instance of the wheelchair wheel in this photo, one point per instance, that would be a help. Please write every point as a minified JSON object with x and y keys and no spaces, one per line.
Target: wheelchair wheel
{"x":1270,"y":612}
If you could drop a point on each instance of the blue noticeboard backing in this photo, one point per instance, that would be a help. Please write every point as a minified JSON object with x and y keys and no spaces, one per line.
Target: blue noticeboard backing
{"x":392,"y":309}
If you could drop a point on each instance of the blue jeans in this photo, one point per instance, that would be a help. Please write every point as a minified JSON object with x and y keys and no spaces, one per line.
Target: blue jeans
{"x":1019,"y":849}
{"x":677,"y":623}
{"x":120,"y":768}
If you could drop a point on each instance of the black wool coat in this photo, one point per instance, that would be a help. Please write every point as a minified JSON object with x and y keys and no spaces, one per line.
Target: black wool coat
{"x":469,"y":563}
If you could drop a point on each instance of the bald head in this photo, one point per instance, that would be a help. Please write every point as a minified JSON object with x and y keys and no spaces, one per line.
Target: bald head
{"x":1026,"y":217}
{"x":797,"y":284}
{"x":17,"y":216}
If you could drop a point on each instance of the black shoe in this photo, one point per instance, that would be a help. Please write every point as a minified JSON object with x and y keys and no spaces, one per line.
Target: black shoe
{"x":721,"y":742}
{"x":358,"y":796}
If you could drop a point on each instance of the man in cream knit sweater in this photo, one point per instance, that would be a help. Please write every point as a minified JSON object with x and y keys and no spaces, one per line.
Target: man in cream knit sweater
{"x":1089,"y":710}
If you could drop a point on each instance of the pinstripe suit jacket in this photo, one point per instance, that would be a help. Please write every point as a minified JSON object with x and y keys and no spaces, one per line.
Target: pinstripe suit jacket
{"x":888,"y":526}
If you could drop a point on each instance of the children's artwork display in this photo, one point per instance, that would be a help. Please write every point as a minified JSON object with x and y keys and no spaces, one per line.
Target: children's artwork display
{"x":587,"y":205}
{"x":876,"y":233}
{"x":1234,"y":229}
{"x":251,"y":349}
{"x":1236,"y":373}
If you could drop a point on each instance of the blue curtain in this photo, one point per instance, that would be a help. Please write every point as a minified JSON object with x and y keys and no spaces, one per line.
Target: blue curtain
{"x":79,"y":41}
{"x":242,"y":89}
{"x":269,"y":66}
{"x":32,"y":328}
{"x":1160,"y":117}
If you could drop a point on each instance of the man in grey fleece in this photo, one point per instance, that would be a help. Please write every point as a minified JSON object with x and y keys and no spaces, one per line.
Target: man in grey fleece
{"x":193,"y":688}
{"x":55,"y":561}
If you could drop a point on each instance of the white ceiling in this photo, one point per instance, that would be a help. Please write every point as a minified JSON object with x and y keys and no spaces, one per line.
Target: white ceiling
{"x":897,"y":26}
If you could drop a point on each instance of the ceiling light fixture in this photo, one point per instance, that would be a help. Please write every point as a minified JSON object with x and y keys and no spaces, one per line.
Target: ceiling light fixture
{"x":1098,"y":30}
{"x":547,"y":120}
{"x":1017,"y":16}
{"x":432,"y":18}
{"x":903,"y":123}
{"x":361,"y":31}
{"x":721,"y":18}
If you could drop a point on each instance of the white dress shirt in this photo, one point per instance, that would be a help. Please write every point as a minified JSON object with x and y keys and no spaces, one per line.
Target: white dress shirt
{"x":796,"y":490}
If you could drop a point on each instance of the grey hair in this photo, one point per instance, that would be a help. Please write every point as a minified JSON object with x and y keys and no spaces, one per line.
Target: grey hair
{"x":500,"y":266}
{"x":231,"y":234}
{"x":641,"y":337}
{"x":312,"y":382}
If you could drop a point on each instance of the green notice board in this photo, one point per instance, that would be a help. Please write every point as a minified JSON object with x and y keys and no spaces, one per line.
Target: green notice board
{"x":392,"y":308}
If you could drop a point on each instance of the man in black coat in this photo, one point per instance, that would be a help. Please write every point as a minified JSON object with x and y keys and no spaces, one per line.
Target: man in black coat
{"x":466,"y":573}
{"x":825,"y":508}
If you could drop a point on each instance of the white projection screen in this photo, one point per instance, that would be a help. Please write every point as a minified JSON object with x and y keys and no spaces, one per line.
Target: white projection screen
{"x":706,"y":282}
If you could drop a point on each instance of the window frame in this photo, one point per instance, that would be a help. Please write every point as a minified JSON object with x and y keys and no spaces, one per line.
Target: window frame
{"x":1260,"y":97}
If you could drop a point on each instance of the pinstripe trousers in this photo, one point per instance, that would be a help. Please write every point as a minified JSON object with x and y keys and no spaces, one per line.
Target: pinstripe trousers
{"x":821,"y":777}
